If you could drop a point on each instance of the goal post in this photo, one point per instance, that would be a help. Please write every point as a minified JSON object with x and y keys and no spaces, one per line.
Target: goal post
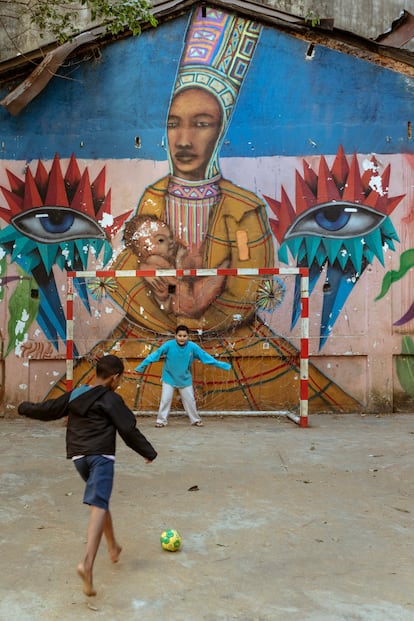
{"x":302,"y":418}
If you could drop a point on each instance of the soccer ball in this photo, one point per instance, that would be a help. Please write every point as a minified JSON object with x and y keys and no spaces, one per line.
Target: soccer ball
{"x":170,"y":540}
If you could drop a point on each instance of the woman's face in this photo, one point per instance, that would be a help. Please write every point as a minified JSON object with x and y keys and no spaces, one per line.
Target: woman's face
{"x":193,"y":127}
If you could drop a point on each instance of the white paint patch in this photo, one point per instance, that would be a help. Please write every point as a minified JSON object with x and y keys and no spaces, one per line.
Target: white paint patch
{"x":375,"y":183}
{"x":21,"y":324}
{"x":369,"y":165}
{"x":19,"y":341}
{"x":22,"y":386}
{"x":107,"y":220}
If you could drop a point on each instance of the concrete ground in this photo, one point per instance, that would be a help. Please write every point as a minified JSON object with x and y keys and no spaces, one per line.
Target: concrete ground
{"x":285,"y":523}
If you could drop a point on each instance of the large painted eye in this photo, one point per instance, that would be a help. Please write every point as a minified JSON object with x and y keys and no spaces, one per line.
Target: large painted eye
{"x":50,"y":225}
{"x":339,"y":219}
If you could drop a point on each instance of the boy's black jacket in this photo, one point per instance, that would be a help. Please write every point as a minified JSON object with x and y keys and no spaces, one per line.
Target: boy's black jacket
{"x":94,"y":417}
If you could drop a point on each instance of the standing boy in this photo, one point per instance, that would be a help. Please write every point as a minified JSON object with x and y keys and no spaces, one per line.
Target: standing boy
{"x":95,"y":413}
{"x":179,"y":354}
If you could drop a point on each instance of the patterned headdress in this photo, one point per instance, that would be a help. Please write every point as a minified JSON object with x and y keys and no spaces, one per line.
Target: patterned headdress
{"x":218,"y":50}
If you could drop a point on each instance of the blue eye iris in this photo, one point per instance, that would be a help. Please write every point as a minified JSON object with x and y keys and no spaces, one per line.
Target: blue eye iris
{"x":332,"y":218}
{"x":57,"y":221}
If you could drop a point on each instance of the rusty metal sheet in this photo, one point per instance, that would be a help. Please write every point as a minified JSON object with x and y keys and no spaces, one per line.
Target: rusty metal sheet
{"x":400,"y":33}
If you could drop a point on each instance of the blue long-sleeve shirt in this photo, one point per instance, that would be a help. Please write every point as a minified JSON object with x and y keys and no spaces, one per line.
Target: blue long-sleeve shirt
{"x":178,"y":360}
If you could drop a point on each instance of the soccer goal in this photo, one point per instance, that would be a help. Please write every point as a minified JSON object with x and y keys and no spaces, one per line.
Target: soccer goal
{"x":269,"y":284}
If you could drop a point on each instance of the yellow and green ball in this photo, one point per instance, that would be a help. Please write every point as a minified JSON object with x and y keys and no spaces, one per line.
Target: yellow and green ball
{"x":170,"y":540}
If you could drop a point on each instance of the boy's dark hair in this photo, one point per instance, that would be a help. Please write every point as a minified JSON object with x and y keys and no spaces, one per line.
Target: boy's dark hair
{"x":183,"y":328}
{"x":109,"y":365}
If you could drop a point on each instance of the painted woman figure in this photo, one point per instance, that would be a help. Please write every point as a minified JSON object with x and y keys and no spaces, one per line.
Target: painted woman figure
{"x":219,"y":225}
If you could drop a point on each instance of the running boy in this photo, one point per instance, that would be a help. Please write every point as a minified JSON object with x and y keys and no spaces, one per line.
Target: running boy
{"x":95,"y":413}
{"x":179,"y":354}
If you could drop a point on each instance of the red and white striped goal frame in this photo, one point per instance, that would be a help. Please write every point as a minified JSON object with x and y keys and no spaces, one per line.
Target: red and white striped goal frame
{"x":303,"y":272}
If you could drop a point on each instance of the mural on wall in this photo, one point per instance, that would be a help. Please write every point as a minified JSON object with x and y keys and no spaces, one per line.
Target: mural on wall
{"x":340,"y":222}
{"x":405,"y":362}
{"x":336,"y":221}
{"x":193,"y":217}
{"x":53,"y":219}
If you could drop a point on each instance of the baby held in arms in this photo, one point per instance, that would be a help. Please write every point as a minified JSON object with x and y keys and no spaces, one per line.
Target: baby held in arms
{"x":154,"y":244}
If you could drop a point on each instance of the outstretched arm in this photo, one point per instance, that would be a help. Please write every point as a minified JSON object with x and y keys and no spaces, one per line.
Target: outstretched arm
{"x":52,"y":409}
{"x":152,"y":357}
{"x":205,"y":358}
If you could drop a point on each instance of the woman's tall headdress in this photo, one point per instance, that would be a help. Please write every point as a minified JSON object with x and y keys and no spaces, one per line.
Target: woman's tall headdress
{"x":217,"y":53}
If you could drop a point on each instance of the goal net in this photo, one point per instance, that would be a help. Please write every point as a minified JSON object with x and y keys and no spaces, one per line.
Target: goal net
{"x":269,"y":370}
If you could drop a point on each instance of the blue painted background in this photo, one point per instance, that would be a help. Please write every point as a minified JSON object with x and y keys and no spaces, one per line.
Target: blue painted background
{"x":294,"y":105}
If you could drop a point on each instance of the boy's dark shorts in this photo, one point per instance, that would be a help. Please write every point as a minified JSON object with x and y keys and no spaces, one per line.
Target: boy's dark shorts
{"x":98,"y":473}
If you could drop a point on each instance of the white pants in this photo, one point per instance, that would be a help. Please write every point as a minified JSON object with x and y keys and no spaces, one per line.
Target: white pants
{"x":187,"y":398}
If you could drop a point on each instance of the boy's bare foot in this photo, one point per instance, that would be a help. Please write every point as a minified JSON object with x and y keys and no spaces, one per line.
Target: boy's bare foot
{"x":86,"y":578}
{"x":115,"y":552}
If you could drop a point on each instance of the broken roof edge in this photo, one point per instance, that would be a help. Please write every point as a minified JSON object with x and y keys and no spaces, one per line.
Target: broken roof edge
{"x":48,"y":59}
{"x":324,"y":33}
{"x":401,"y":31}
{"x":166,"y":10}
{"x":163,"y":10}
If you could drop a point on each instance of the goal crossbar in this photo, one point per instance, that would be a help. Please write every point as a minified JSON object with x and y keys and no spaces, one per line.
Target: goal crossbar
{"x":303,"y":272}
